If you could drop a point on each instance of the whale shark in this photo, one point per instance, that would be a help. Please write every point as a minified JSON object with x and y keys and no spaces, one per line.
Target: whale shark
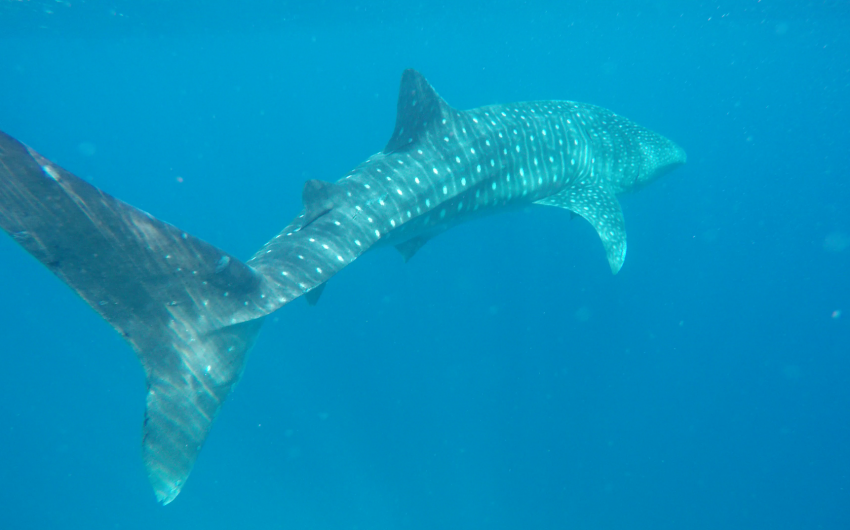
{"x":192,"y":311}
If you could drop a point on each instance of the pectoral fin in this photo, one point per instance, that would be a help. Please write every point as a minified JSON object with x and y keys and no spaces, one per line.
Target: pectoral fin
{"x":600,"y":207}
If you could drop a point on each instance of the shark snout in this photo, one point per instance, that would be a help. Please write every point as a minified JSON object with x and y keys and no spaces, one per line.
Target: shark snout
{"x":661,"y":156}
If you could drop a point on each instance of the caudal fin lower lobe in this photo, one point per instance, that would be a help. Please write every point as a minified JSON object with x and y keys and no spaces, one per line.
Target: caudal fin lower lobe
{"x":190,"y":310}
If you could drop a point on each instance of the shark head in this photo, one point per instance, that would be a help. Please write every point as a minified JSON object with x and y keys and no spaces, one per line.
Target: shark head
{"x":658,"y":156}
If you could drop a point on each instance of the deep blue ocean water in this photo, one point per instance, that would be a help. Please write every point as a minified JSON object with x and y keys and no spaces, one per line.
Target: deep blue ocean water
{"x":503,"y":378}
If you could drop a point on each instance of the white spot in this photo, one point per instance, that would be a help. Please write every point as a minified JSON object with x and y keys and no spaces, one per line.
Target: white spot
{"x":457,"y":159}
{"x":475,"y":120}
{"x":398,"y":191}
{"x":494,"y":186}
{"x":368,"y":187}
{"x":472,"y":150}
{"x":325,"y":247}
{"x":357,"y":242}
{"x":492,"y":163}
{"x":416,"y":180}
{"x":445,"y":190}
{"x":392,"y":222}
{"x":572,"y":161}
{"x":517,"y":148}
{"x":445,"y":138}
{"x":378,"y":233}
{"x":463,"y":182}
{"x":50,"y":172}
{"x":478,"y":168}
{"x":319,"y":270}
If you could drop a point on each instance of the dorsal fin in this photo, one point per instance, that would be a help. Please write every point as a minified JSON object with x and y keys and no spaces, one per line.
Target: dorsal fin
{"x":318,"y":198}
{"x":419,"y":109}
{"x":317,"y":194}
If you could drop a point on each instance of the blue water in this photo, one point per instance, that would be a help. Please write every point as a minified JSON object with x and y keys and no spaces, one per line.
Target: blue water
{"x":503,"y":378}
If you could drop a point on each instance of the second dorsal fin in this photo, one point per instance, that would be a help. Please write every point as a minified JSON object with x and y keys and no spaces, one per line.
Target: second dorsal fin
{"x":420,"y":109}
{"x":318,"y":197}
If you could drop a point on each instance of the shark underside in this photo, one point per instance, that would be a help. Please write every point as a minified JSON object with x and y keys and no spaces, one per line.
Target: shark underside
{"x":192,"y":311}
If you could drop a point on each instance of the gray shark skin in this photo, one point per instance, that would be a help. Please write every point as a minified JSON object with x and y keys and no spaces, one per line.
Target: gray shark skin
{"x":192,"y":312}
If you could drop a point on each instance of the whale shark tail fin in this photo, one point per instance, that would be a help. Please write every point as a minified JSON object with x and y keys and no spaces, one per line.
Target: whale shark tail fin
{"x":190,"y":310}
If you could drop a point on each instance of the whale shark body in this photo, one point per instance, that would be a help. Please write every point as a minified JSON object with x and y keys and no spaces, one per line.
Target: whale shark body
{"x":192,"y":311}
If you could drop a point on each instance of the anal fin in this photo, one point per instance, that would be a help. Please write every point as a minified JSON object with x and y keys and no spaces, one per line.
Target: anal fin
{"x":411,"y":247}
{"x":312,"y":296}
